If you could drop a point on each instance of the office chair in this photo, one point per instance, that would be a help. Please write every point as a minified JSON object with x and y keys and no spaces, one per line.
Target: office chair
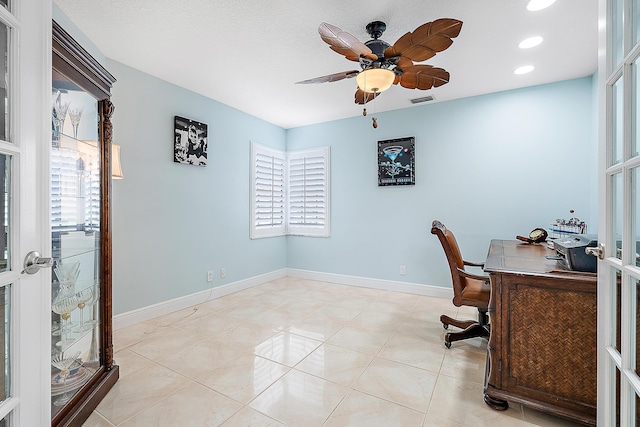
{"x":468,"y":289}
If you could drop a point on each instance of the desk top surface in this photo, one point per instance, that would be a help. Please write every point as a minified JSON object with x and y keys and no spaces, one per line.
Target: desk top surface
{"x":514,"y":256}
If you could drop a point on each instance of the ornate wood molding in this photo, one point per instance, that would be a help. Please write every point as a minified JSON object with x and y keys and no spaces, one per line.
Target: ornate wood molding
{"x":74,"y":63}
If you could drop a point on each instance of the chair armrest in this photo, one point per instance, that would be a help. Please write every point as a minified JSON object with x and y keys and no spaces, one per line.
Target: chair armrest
{"x":472,"y":276}
{"x":473,"y":264}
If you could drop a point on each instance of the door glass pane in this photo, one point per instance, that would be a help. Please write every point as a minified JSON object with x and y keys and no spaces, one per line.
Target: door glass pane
{"x":5,"y":316}
{"x":4,"y":82}
{"x":75,"y":226}
{"x":617,"y":320}
{"x":635,"y":214}
{"x":637,"y":286}
{"x":617,"y":111}
{"x":635,"y":123}
{"x":5,"y":209}
{"x":616,"y":31}
{"x":635,"y":4}
{"x":616,"y":199}
{"x":617,"y":411}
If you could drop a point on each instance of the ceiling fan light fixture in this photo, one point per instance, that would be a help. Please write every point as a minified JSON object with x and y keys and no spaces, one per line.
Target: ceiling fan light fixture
{"x":375,"y":80}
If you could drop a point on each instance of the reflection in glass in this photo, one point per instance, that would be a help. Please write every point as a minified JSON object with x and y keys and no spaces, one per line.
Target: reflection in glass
{"x":616,"y":32}
{"x":4,"y":83}
{"x":635,"y":5}
{"x":5,"y":315}
{"x":635,"y":124}
{"x":637,"y":347}
{"x":617,"y":397}
{"x":616,"y":200}
{"x":5,"y":209}
{"x":635,"y":218}
{"x":617,"y":107}
{"x":617,"y":320}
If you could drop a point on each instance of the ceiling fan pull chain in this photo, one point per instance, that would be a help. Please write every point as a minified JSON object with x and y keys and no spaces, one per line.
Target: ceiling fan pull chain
{"x":366,"y":98}
{"x":374,"y":119}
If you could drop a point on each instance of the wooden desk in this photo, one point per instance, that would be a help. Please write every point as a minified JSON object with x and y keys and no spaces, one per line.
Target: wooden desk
{"x":542,"y":347}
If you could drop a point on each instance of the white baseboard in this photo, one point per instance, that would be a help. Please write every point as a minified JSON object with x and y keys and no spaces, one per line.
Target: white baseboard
{"x":366,"y":282}
{"x":156,"y":310}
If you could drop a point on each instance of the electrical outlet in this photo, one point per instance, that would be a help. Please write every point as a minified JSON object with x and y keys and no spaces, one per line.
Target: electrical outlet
{"x":403,"y":270}
{"x":223,"y":272}
{"x":209,"y":276}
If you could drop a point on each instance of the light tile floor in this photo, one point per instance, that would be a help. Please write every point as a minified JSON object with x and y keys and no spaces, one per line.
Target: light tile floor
{"x":295,"y":352}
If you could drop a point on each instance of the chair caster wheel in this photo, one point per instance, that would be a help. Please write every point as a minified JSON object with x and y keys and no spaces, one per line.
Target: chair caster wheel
{"x":447,"y":344}
{"x":445,"y":326}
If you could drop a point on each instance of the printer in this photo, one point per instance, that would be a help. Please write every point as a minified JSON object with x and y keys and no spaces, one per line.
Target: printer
{"x":571,"y":254}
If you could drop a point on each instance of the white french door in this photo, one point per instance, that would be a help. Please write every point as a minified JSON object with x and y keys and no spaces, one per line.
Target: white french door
{"x":25,"y":103}
{"x":619,"y":214}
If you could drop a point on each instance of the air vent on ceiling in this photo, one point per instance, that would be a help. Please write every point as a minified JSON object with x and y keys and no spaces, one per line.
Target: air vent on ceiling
{"x":423,"y":99}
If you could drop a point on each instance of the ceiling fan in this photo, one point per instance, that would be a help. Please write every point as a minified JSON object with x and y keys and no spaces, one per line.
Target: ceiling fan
{"x":383,"y":65}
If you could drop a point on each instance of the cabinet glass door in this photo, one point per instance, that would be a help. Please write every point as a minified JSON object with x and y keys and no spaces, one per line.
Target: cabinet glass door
{"x":75,"y":228}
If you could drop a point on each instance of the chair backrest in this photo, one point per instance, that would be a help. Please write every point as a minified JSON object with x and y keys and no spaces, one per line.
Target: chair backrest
{"x":454,"y":258}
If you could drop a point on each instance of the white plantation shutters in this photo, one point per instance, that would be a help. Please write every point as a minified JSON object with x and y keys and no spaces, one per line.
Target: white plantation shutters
{"x":308,"y":192}
{"x":289,"y":192}
{"x":268,"y":192}
{"x":75,"y":186}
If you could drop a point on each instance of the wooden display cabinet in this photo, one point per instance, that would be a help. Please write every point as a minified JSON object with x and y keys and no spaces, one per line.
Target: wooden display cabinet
{"x":82,"y":370}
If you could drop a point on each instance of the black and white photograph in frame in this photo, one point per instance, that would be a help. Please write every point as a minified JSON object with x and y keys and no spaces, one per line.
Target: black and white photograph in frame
{"x":396,"y":162}
{"x":190,"y":142}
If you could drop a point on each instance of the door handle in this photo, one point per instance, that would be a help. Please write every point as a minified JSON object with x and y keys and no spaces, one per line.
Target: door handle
{"x":33,"y":262}
{"x":596,"y":251}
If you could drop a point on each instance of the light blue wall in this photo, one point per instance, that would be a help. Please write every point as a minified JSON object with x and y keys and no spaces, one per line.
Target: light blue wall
{"x":174,"y":222}
{"x":491,"y":166}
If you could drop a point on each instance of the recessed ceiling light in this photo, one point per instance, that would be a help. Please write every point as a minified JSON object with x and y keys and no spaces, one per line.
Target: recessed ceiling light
{"x":524,"y":69}
{"x":530,"y":42}
{"x":535,"y":5}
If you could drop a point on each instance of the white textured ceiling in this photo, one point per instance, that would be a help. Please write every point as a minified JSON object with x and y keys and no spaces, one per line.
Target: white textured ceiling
{"x":249,"y":53}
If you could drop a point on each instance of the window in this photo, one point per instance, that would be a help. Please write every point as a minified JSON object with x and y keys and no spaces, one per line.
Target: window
{"x":267,"y":192}
{"x":308,"y":192}
{"x":289,"y":192}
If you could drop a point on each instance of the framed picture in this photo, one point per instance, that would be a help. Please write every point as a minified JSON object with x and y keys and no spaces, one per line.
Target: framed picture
{"x":190,"y":142}
{"x":396,"y":164}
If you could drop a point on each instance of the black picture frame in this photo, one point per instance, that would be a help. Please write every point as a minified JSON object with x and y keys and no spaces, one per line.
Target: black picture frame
{"x":396,"y":162}
{"x":190,"y":142}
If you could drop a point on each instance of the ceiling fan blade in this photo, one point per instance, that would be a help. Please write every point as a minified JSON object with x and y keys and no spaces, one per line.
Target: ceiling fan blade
{"x":426,"y":40}
{"x":344,"y":43}
{"x":362,"y":97}
{"x":404,"y":63}
{"x":331,"y":77}
{"x":423,"y":77}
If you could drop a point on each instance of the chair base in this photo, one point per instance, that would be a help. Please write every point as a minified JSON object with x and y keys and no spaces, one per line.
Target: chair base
{"x":470,"y":329}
